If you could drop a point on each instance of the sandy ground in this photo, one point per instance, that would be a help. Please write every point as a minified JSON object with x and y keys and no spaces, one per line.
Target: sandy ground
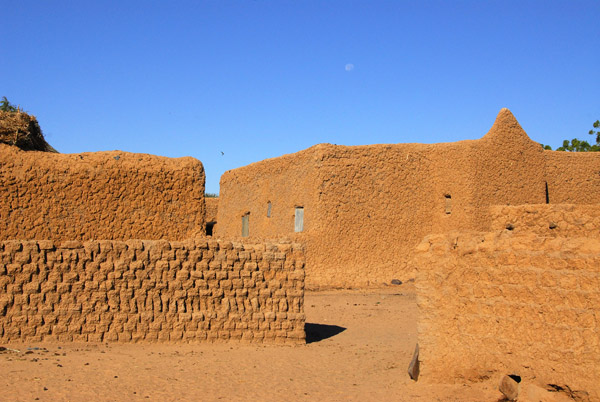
{"x":362,"y":343}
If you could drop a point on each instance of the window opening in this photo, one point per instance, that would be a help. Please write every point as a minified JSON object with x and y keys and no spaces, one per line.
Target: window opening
{"x":299,"y":219}
{"x":209,"y":228}
{"x":269,"y":209}
{"x":547,"y":195}
{"x":245,"y":225}
{"x":448,"y":204}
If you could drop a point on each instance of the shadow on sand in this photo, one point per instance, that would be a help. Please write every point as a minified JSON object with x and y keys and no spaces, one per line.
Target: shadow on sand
{"x":318,"y":332}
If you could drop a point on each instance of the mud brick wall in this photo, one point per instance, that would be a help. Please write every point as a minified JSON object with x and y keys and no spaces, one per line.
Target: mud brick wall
{"x":190,"y":291}
{"x":549,"y":219}
{"x":503,"y":303}
{"x":101,"y":195}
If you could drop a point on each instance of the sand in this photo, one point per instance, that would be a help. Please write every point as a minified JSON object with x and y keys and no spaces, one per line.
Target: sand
{"x":360,"y":345}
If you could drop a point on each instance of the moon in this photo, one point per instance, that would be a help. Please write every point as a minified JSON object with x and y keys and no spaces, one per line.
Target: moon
{"x":349,"y":67}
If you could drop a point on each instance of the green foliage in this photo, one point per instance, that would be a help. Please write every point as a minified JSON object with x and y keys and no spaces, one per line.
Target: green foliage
{"x":547,"y":147}
{"x":211,"y":195}
{"x":6,"y":106}
{"x":596,"y":132}
{"x":576,"y":145}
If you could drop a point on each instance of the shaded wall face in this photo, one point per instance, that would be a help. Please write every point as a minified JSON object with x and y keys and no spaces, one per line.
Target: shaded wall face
{"x":266,"y":195}
{"x":104,"y":195}
{"x":499,"y":303}
{"x":212,"y":208}
{"x":573,"y":178}
{"x":106,"y":291}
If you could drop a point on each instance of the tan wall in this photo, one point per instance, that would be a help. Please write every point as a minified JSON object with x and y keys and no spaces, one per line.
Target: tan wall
{"x":287,"y":182}
{"x":102,"y":195}
{"x":151,"y":291}
{"x":573,"y":177}
{"x":212,"y":208}
{"x":499,"y":303}
{"x":369,"y":206}
{"x":549,"y":220}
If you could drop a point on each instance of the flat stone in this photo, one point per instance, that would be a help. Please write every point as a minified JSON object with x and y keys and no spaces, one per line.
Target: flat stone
{"x":414,"y":366}
{"x":509,"y":387}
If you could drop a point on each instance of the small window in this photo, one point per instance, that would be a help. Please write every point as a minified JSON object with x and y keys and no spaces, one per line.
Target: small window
{"x":269,"y":209}
{"x":245,"y":225}
{"x":299,"y":219}
{"x":448,"y":204}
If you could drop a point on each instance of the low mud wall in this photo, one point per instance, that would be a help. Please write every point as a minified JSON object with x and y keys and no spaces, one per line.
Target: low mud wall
{"x":505,"y":303}
{"x":134,"y":290}
{"x":99,"y":195}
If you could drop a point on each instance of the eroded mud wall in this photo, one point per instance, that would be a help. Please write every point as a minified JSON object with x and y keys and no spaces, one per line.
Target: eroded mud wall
{"x":502,"y":303}
{"x":101,"y":195}
{"x":194,"y":290}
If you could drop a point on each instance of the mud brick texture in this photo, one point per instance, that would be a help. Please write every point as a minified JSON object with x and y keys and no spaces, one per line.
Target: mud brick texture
{"x":100,"y":195}
{"x":499,"y":303}
{"x":153,"y":291}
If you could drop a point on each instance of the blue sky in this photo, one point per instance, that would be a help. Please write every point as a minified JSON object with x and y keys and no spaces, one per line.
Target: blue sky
{"x":256,"y":79}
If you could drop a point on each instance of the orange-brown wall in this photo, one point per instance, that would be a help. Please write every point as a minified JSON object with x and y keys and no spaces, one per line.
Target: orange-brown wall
{"x":101,"y":195}
{"x":212,"y":208}
{"x":287,"y":182}
{"x":367,"y":207}
{"x":573,"y":177}
{"x":513,"y":302}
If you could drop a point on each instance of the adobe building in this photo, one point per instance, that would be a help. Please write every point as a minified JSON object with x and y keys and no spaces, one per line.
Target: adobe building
{"x":362,"y":210}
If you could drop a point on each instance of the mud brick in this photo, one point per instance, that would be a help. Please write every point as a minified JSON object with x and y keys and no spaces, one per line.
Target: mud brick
{"x":196,"y":274}
{"x":130,"y":326}
{"x":168,"y":255}
{"x":202,"y":265}
{"x":214,"y":265}
{"x":279,"y":293}
{"x":65,"y":337}
{"x":12,"y":246}
{"x":124,"y":336}
{"x":95,"y":337}
{"x":36,"y":299}
{"x":250,"y":266}
{"x":201,"y":335}
{"x":265,"y":293}
{"x":45,"y":244}
{"x":31,"y":287}
{"x":295,"y":293}
{"x":13,"y":269}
